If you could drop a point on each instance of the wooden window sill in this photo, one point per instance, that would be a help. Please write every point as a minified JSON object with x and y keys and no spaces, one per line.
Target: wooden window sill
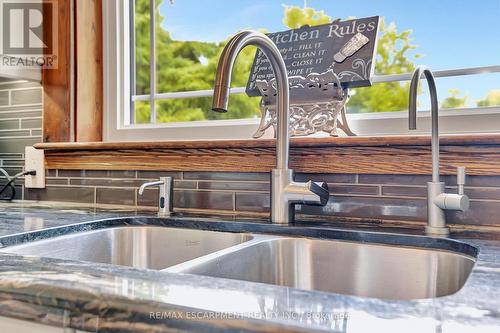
{"x":480,"y":154}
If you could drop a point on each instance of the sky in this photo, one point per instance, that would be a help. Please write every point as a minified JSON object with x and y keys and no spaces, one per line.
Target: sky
{"x":449,"y":33}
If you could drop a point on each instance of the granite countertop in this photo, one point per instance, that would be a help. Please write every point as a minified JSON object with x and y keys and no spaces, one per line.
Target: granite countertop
{"x":98,"y":297}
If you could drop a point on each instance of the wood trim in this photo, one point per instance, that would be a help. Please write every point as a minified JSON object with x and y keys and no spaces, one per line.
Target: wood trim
{"x":392,"y":155}
{"x":86,"y":66}
{"x":375,"y":141}
{"x":57,"y":82}
{"x":89,"y":71}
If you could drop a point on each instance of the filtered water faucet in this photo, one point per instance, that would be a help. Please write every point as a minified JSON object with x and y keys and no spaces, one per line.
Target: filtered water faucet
{"x":437,"y":200}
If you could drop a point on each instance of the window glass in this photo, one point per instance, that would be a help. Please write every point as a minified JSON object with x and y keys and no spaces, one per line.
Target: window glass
{"x":190,"y":35}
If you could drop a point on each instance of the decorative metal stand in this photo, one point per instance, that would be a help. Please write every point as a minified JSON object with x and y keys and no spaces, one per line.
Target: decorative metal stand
{"x":317,"y":104}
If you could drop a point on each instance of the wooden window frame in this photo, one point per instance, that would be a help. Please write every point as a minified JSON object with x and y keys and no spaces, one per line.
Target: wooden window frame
{"x":73,"y":92}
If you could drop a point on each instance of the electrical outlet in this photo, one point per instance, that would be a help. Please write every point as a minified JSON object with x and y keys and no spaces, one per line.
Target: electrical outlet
{"x":34,"y":159}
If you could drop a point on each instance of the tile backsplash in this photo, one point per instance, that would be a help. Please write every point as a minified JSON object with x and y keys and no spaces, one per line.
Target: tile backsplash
{"x":374,"y":197}
{"x":20,"y":125}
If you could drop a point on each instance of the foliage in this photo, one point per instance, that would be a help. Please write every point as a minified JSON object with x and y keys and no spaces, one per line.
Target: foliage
{"x":296,"y":17}
{"x":392,"y":58}
{"x":191,"y":65}
{"x":454,"y":100}
{"x":491,"y":99}
{"x":185,"y":66}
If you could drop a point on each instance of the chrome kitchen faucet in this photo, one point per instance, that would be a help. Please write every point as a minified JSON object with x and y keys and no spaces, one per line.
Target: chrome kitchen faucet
{"x":437,"y":200}
{"x":166,"y":194}
{"x":285,"y":192}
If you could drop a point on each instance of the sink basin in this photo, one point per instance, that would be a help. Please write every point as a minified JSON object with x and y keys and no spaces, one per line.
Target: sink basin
{"x":142,"y":247}
{"x":368,"y":270}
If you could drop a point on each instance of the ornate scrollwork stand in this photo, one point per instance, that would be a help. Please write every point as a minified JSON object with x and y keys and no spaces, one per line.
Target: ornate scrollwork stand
{"x":317,"y":104}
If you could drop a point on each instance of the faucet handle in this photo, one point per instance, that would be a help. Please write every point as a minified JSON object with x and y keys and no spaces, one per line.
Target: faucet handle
{"x":461,"y":175}
{"x":321,"y":190}
{"x":452,"y":201}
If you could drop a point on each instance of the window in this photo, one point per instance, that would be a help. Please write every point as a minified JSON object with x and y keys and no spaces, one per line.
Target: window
{"x":160,"y":82}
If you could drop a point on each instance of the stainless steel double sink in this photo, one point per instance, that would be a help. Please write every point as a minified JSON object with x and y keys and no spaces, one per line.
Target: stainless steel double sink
{"x":338,"y":266}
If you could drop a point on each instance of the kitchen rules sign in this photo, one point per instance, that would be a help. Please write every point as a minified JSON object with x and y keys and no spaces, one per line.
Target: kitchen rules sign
{"x":346,"y":47}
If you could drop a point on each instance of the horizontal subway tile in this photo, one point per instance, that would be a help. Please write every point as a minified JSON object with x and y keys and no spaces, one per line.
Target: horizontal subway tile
{"x":484,"y":193}
{"x":36,"y":132}
{"x":150,"y":197}
{"x":376,"y":208}
{"x":395,"y":179}
{"x":185,"y":184}
{"x":17,"y":182}
{"x":9,"y":124}
{"x":203,"y":200}
{"x":124,"y":182}
{"x":243,"y":176}
{"x":13,"y":163}
{"x":13,"y":133}
{"x":31,"y":123}
{"x":106,"y":182}
{"x":56,"y":181}
{"x":13,"y":156}
{"x":4,"y":98}
{"x":65,"y":194}
{"x":97,"y":173}
{"x":235,"y":186}
{"x":12,"y":113}
{"x":491,"y":181}
{"x":115,"y":196}
{"x":16,"y":145}
{"x":26,"y":96}
{"x":479,"y":181}
{"x":479,"y":213}
{"x":253,"y":202}
{"x":404,"y":191}
{"x":12,"y":170}
{"x":158,"y":174}
{"x":328,"y":177}
{"x":353,"y":189}
{"x":20,"y":85}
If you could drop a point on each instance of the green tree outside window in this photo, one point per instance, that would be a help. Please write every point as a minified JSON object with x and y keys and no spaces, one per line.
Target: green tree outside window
{"x":191,"y":65}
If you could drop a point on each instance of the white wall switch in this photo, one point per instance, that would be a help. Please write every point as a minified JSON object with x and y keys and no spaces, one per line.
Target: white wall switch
{"x":34,"y":159}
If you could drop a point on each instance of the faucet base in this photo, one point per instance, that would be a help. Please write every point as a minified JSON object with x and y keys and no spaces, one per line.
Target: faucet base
{"x":436,"y":220}
{"x":437,"y":231}
{"x":282,"y":211}
{"x":286,"y":193}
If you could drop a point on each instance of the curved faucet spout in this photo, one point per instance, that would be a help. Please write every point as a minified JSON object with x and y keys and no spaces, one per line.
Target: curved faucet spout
{"x":223,"y":83}
{"x":434,"y":113}
{"x":285,"y":192}
{"x":438,"y":201}
{"x":145,"y":185}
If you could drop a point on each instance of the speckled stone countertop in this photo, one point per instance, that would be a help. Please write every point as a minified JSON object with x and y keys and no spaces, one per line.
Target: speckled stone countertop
{"x":103,"y":298}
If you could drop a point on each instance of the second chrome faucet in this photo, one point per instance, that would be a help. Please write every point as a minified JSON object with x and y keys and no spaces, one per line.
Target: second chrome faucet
{"x":437,"y":200}
{"x":285,"y":192}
